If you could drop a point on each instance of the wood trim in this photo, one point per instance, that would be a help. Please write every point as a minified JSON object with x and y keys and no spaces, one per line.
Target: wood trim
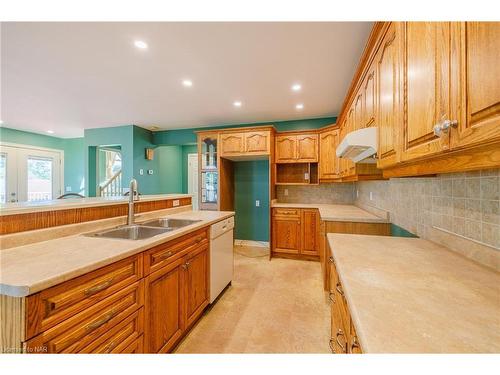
{"x":237,"y":130}
{"x":377,"y":229}
{"x":280,"y":254}
{"x":47,"y":219}
{"x":12,"y":332}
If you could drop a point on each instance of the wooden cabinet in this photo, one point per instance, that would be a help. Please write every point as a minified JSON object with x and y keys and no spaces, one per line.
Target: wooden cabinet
{"x":480,"y":56}
{"x":245,"y":143}
{"x":329,"y":163}
{"x":429,"y":79}
{"x":165,"y":321}
{"x":296,"y":232}
{"x":297,"y":148}
{"x":389,"y":110}
{"x":369,"y":97}
{"x":196,"y":283}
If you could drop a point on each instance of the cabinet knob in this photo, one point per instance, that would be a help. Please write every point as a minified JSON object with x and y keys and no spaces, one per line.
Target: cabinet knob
{"x":443,"y":127}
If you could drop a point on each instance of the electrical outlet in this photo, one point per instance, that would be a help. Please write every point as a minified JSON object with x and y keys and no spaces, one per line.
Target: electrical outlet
{"x":286,"y":192}
{"x":141,"y":171}
{"x":150,"y":171}
{"x":306,"y":176}
{"x":175,"y":203}
{"x":68,"y":188}
{"x":357,"y":193}
{"x":257,"y":203}
{"x":371,"y":195}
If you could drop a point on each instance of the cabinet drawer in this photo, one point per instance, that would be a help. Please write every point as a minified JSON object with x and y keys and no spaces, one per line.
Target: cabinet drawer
{"x":161,"y":255}
{"x":136,"y":347}
{"x":53,"y":305}
{"x":118,"y":338}
{"x":288,"y":212}
{"x":80,"y":330}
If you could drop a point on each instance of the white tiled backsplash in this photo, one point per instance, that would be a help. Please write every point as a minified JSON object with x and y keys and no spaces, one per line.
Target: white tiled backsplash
{"x":466,"y":203}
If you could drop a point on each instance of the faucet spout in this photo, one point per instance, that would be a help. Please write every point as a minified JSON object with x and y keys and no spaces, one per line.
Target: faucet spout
{"x":131,"y":209}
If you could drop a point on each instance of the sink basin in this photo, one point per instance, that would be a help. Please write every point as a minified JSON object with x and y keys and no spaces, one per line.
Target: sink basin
{"x":169,"y":223}
{"x":130,"y":232}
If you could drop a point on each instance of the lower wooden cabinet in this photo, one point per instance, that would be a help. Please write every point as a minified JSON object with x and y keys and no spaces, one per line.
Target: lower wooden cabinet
{"x":116,"y":309}
{"x":295,"y":232}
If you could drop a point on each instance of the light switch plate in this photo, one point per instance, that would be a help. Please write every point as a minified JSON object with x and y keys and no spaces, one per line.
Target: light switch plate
{"x":286,"y":192}
{"x":257,"y":203}
{"x":68,"y":188}
{"x":141,"y":171}
{"x":175,"y":203}
{"x":371,"y":195}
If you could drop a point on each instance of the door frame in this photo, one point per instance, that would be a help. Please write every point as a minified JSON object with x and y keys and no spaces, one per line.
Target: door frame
{"x":194,"y":157}
{"x":43,"y":149}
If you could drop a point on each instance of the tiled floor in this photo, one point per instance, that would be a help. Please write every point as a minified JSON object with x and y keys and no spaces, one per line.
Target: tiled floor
{"x":273,"y":306}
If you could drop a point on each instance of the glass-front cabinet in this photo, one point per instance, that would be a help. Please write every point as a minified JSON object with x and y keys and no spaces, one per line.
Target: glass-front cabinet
{"x":209,"y":174}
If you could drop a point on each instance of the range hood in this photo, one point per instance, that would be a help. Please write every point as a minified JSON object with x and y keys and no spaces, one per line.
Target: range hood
{"x":359,"y":145}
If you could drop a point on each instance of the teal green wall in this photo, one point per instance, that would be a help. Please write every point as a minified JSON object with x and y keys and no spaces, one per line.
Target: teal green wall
{"x":170,"y":168}
{"x":187,"y":136}
{"x":74,"y":163}
{"x":251,"y":183}
{"x":148,"y":184}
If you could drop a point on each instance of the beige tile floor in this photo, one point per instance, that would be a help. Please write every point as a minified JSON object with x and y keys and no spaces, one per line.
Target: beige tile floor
{"x":273,"y":306}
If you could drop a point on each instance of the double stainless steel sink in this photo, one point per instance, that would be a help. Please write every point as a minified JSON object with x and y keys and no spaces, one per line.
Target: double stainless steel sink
{"x":144,"y":230}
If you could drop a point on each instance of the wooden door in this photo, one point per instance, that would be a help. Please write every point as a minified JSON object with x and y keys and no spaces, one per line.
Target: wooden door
{"x":232,"y":144}
{"x":429,"y":99}
{"x":258,"y":143}
{"x":389,"y":112}
{"x":310,"y":232}
{"x":164,"y":320}
{"x":358,"y":112}
{"x":480,"y":72}
{"x":328,"y":161}
{"x":286,"y":148}
{"x":196,"y":283}
{"x":307,"y":148}
{"x":369,"y":97}
{"x":286,"y":234}
{"x":350,"y":165}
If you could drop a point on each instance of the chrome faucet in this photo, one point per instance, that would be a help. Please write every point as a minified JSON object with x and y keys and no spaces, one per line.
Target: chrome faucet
{"x":132,"y":192}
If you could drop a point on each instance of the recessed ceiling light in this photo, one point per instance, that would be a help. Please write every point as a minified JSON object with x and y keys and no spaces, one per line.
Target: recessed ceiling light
{"x":140,"y":44}
{"x":1,"y":122}
{"x":50,"y":131}
{"x":237,"y":103}
{"x":187,"y":83}
{"x":299,"y":106}
{"x":296,"y":87}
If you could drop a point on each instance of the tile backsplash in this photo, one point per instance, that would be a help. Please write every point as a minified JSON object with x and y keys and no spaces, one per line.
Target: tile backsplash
{"x":324,"y":193}
{"x":466,"y":203}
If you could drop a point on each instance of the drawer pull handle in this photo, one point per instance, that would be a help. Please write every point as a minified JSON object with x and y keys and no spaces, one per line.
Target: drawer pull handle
{"x":165,"y":255}
{"x":340,"y":333}
{"x":186,"y":265}
{"x":199,"y":239}
{"x":355,"y":343}
{"x":93,"y":326}
{"x":331,"y":260}
{"x":331,"y":297}
{"x":339,"y":289}
{"x":97,"y":288}
{"x":330,"y":344}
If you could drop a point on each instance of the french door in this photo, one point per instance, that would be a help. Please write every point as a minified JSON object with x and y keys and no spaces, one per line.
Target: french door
{"x":29,"y":174}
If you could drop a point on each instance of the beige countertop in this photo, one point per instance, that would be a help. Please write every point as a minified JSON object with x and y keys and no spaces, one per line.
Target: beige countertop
{"x":408,"y":295}
{"x":337,"y":212}
{"x":25,"y":270}
{"x":63,"y":204}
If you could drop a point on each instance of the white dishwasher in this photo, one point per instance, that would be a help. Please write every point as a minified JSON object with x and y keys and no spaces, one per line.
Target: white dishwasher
{"x":221,"y":256}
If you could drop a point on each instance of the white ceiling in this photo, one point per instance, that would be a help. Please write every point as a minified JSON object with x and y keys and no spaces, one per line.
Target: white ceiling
{"x":67,"y":77}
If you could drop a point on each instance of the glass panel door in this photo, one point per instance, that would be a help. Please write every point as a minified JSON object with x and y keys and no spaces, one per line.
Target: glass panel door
{"x":40,"y":179}
{"x":8,"y":174}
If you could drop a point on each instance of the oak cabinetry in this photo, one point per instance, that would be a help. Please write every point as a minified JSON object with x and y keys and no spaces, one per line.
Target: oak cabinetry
{"x":369,"y":97}
{"x":480,"y":56}
{"x":329,"y":163}
{"x":196,"y":283}
{"x":297,"y":148}
{"x":296,"y":232}
{"x":244,"y":143}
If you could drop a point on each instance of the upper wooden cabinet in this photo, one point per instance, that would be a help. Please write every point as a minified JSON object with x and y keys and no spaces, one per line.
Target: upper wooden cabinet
{"x":369,"y":97}
{"x":480,"y":55}
{"x":329,"y":163}
{"x":430,"y":87}
{"x":246,"y":143}
{"x":297,"y":148}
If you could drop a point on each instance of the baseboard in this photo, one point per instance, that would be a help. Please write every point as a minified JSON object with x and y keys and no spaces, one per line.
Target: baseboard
{"x":252,"y":243}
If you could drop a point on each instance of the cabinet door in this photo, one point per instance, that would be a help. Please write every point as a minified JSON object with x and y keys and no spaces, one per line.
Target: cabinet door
{"x":427,"y":51}
{"x":310,"y":232}
{"x":388,"y":87}
{"x":350,"y":165}
{"x":196,"y":288}
{"x":307,"y":148}
{"x":480,"y":52}
{"x":232,"y":144}
{"x":286,"y":234}
{"x":258,"y":142}
{"x":164,"y":321}
{"x":328,"y":161}
{"x":338,"y":342}
{"x":286,"y":148}
{"x":369,"y":98}
{"x":358,"y":112}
